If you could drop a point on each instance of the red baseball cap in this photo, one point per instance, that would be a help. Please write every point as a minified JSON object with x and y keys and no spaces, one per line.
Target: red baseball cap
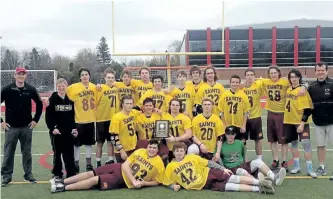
{"x":20,"y":69}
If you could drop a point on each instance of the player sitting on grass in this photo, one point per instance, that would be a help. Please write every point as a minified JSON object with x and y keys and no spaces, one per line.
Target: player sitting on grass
{"x":144,"y":168}
{"x":192,"y":172}
{"x":233,"y":155}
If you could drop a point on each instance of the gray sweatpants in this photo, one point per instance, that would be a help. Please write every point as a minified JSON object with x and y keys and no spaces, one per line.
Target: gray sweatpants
{"x":24,"y":135}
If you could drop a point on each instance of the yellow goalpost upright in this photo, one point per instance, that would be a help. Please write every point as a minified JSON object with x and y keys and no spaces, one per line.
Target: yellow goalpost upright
{"x":168,"y":68}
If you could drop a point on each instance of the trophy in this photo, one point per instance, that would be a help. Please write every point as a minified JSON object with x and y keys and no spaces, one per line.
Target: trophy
{"x":162,"y":128}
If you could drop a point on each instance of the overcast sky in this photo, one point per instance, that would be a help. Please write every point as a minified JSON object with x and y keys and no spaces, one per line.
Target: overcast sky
{"x":65,"y":26}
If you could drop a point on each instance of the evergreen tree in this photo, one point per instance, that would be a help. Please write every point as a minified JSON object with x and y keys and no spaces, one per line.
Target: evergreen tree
{"x":34,"y":60}
{"x":103,"y":52}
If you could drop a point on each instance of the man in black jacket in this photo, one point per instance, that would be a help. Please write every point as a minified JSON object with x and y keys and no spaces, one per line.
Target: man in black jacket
{"x":321,"y":92}
{"x":59,"y":119}
{"x":18,"y":124}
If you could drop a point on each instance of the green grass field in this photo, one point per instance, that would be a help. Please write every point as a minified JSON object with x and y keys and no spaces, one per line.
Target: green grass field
{"x":293,"y":187}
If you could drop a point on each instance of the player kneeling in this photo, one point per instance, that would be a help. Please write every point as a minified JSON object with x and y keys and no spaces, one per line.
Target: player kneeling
{"x":143,"y":168}
{"x":192,"y":172}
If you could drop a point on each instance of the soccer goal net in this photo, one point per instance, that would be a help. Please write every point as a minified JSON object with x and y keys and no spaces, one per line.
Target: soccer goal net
{"x":43,"y":80}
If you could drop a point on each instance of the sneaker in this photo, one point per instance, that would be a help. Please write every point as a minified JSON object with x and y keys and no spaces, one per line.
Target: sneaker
{"x":5,"y":182}
{"x":266,"y":190}
{"x":98,"y":164}
{"x":109,"y":162}
{"x":89,"y":167}
{"x":31,"y":180}
{"x":311,"y":172}
{"x":274,"y":165}
{"x":58,"y":187}
{"x":321,"y":171}
{"x":56,"y":180}
{"x":295,"y":170}
{"x":279,"y":177}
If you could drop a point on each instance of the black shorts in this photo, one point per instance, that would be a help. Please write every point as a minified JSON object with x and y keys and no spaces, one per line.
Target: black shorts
{"x":240,"y":136}
{"x":86,"y":134}
{"x":290,"y":132}
{"x":102,"y":131}
{"x":254,"y":129}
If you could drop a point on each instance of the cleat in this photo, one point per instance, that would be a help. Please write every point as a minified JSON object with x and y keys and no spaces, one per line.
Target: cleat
{"x":321,"y":171}
{"x":278,"y":179}
{"x":58,"y":187}
{"x":89,"y":167}
{"x":31,"y":180}
{"x":274,"y":165}
{"x":265,"y":190}
{"x":109,"y":162}
{"x":295,"y":170}
{"x":5,"y":182}
{"x":263,"y":181}
{"x":285,"y":165}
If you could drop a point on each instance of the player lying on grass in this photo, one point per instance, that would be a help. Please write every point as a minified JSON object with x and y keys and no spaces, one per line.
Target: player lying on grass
{"x":192,"y":172}
{"x":233,"y":156}
{"x":144,"y":168}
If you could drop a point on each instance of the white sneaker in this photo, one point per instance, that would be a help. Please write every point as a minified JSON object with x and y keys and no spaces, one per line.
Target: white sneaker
{"x":280,"y":176}
{"x":295,"y":170}
{"x":58,"y":187}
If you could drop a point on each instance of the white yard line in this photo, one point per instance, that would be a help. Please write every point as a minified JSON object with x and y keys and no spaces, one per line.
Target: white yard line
{"x":249,"y":150}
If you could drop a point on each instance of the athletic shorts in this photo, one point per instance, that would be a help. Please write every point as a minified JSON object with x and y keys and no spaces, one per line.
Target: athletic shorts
{"x":290,"y":132}
{"x":216,"y":180}
{"x":324,"y":134}
{"x":254,"y":129}
{"x":110,"y":177}
{"x":86,"y":134}
{"x":247,"y":167}
{"x":240,"y":136}
{"x":275,"y":127}
{"x":102,"y":132}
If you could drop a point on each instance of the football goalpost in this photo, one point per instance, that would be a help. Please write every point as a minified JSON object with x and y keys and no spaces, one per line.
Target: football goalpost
{"x":168,"y":72}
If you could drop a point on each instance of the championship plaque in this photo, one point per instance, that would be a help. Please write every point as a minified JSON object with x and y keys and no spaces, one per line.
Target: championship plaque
{"x":162,"y":128}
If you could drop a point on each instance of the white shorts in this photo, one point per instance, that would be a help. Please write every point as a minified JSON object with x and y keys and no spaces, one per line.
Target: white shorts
{"x":324,"y":134}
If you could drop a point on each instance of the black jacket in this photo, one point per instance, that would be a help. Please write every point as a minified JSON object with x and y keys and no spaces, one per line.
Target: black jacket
{"x":322,"y":97}
{"x":60,"y":114}
{"x":18,"y":104}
